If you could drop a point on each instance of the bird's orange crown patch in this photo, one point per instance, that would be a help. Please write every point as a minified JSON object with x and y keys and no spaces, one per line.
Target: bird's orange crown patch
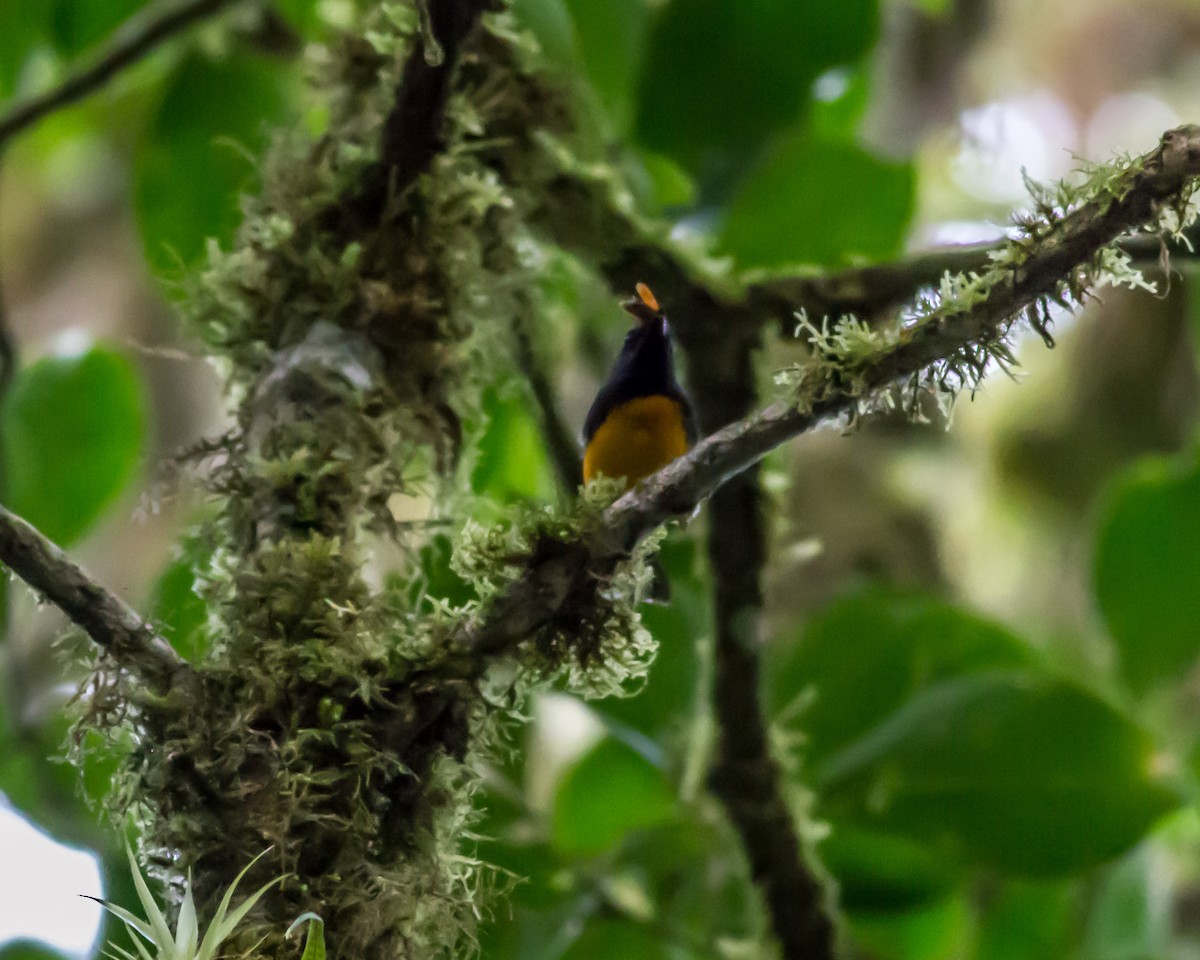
{"x":647,"y":297}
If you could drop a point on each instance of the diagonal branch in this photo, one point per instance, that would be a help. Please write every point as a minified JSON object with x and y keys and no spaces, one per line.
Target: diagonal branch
{"x":869,"y":291}
{"x":132,"y":43}
{"x":1156,"y":181}
{"x":114,"y":626}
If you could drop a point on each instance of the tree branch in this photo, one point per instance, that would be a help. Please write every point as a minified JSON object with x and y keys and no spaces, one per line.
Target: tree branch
{"x":413,"y":129}
{"x":869,"y":291}
{"x":534,"y":598}
{"x":133,"y":42}
{"x":745,"y":776}
{"x":114,"y":626}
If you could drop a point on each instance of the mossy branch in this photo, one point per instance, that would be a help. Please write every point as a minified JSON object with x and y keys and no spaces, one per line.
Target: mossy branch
{"x":114,"y":626}
{"x":1137,"y":200}
{"x":413,"y":131}
{"x":872,"y":290}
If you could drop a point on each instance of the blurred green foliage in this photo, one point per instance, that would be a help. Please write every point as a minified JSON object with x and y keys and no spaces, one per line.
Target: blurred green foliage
{"x":73,"y":429}
{"x":1148,"y":571}
{"x":198,"y":153}
{"x":607,"y":794}
{"x":806,"y":181}
{"x":971,"y":795}
{"x":1007,"y":769}
{"x":77,"y":27}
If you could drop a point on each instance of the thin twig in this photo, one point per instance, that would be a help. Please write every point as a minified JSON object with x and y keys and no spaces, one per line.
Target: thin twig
{"x":113,"y":625}
{"x":133,"y":42}
{"x":560,"y":440}
{"x":534,"y":599}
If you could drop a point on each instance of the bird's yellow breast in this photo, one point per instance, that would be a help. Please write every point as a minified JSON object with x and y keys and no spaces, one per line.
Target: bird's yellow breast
{"x":637,"y":438}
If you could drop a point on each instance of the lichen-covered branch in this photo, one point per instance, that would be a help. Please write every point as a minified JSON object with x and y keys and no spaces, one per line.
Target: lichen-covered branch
{"x":114,"y":626}
{"x":586,"y":210}
{"x":335,"y":717}
{"x":870,"y":291}
{"x":132,"y":43}
{"x":357,"y":340}
{"x":1061,"y":262}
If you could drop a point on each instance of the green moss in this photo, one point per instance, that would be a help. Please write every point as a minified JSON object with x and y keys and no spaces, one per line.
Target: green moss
{"x":318,"y":723}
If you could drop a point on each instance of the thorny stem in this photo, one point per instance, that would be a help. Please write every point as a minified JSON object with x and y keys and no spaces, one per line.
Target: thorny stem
{"x":134,"y":42}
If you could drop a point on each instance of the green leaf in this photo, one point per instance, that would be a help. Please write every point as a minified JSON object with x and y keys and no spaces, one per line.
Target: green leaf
{"x":24,"y":29}
{"x":1029,"y":921}
{"x":45,"y":789}
{"x":73,"y":429}
{"x":550,"y":23}
{"x":1147,"y":570}
{"x":667,"y":184}
{"x":511,"y":464}
{"x":524,"y":934}
{"x":438,"y":581}
{"x":20,"y":776}
{"x":77,"y":26}
{"x":934,"y":931}
{"x":537,"y":871}
{"x":841,"y":100}
{"x":28,"y":950}
{"x":610,"y":40}
{"x":679,"y":866}
{"x":610,"y":792}
{"x":618,"y":940}
{"x":722,"y":75}
{"x":868,"y":653}
{"x":819,"y":202}
{"x":179,"y":612}
{"x":1024,"y":773}
{"x":192,"y":165}
{"x":1130,"y":918}
{"x":304,"y":15}
{"x":877,"y":872}
{"x":314,"y":942}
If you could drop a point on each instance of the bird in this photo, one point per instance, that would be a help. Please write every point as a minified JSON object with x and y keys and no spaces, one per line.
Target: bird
{"x":641,"y":419}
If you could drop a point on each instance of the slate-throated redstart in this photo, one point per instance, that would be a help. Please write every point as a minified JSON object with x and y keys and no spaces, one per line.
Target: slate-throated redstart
{"x":641,"y":419}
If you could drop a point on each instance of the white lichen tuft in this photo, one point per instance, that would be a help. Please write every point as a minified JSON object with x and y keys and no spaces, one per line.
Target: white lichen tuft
{"x":847,"y":356}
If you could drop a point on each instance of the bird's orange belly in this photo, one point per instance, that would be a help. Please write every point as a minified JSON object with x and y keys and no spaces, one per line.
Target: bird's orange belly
{"x":636,"y":439}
